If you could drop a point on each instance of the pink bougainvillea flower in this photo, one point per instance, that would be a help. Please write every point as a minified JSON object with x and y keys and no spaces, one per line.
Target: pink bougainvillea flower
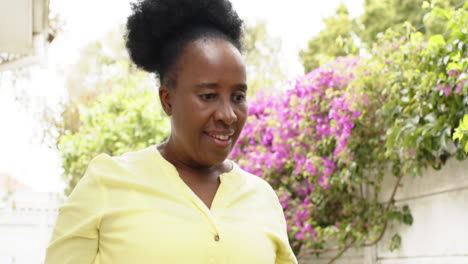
{"x":295,"y":139}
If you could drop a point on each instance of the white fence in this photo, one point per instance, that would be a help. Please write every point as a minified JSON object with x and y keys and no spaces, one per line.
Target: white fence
{"x":26,"y":222}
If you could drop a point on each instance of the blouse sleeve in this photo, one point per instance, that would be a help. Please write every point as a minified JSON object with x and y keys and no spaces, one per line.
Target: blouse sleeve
{"x":75,"y":237}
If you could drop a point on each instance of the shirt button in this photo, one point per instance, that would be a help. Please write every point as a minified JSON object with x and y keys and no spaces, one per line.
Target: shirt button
{"x":216,"y":237}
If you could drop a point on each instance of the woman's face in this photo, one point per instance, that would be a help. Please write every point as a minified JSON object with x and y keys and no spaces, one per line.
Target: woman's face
{"x":208,"y":105}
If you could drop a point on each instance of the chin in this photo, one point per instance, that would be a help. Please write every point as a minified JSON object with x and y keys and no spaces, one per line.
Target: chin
{"x":215,"y":158}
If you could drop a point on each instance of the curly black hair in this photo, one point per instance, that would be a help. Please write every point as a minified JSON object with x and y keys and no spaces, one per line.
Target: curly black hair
{"x":157,"y":30}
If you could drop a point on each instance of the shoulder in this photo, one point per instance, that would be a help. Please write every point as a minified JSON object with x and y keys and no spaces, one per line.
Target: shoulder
{"x":125,"y":160}
{"x":131,"y":164}
{"x":256,"y":182}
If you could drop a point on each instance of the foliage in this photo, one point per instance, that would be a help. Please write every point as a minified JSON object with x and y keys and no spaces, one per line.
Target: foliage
{"x":335,"y":40}
{"x":343,"y":35}
{"x":126,"y":120}
{"x":425,"y":91}
{"x":326,"y":143}
{"x":96,"y":72}
{"x":461,"y":133}
{"x":112,"y":108}
{"x":380,"y":15}
{"x":261,"y":58}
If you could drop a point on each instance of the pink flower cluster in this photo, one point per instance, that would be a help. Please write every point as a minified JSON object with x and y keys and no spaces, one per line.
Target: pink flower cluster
{"x":298,"y":138}
{"x":459,"y":84}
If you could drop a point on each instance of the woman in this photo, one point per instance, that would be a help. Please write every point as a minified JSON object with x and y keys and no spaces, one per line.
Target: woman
{"x":182,"y":201}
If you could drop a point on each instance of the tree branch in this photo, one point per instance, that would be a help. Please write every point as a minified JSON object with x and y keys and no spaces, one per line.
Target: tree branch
{"x":352,"y":244}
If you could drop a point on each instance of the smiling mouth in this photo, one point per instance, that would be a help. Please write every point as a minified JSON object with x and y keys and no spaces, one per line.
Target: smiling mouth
{"x":220,"y":137}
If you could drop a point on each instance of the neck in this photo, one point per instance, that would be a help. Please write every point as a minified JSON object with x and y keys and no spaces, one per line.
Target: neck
{"x":183,"y":163}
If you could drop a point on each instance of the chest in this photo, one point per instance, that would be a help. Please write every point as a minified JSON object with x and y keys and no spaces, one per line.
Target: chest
{"x":205,"y":190}
{"x":176,"y":230}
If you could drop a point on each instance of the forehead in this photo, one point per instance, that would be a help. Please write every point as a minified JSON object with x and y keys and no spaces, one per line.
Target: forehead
{"x":210,"y":60}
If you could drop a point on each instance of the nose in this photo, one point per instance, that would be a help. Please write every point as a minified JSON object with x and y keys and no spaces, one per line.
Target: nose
{"x":225,"y":112}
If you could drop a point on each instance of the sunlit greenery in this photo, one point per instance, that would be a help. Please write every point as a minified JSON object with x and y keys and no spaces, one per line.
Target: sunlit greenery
{"x":128,"y":119}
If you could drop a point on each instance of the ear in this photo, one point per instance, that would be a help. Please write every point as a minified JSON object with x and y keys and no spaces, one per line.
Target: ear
{"x":165,"y":98}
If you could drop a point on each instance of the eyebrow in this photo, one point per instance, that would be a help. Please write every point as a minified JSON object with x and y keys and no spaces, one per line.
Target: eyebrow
{"x":240,"y":86}
{"x":207,"y":85}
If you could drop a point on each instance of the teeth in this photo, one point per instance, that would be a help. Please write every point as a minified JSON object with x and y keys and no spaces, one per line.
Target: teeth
{"x":220,"y":137}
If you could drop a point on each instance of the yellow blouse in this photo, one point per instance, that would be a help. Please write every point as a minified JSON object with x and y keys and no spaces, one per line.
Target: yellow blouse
{"x":136,"y":209}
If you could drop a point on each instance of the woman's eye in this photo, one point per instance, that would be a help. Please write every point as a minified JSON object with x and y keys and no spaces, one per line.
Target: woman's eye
{"x":208,"y":97}
{"x":239,"y":98}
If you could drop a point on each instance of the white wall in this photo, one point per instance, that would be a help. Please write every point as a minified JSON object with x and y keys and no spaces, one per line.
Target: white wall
{"x":439,"y":203}
{"x":439,"y":235}
{"x":352,"y":256}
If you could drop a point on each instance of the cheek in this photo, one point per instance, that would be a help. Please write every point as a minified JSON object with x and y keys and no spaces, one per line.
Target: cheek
{"x":242,"y":114}
{"x":191,"y":116}
{"x":183,"y":116}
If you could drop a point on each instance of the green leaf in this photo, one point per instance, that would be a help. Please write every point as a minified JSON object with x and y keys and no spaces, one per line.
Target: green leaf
{"x":460,"y":155}
{"x":426,"y":5}
{"x":437,"y":40}
{"x":441,"y":13}
{"x":464,"y":123}
{"x":458,"y":134}
{"x":408,"y":219}
{"x":395,"y":243}
{"x":454,"y":66}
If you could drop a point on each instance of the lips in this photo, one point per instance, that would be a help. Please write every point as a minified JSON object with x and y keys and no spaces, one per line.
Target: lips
{"x":222,"y":135}
{"x":220,"y":139}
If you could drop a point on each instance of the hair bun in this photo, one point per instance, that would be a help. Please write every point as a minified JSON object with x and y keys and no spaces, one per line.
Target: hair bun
{"x":155,"y":22}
